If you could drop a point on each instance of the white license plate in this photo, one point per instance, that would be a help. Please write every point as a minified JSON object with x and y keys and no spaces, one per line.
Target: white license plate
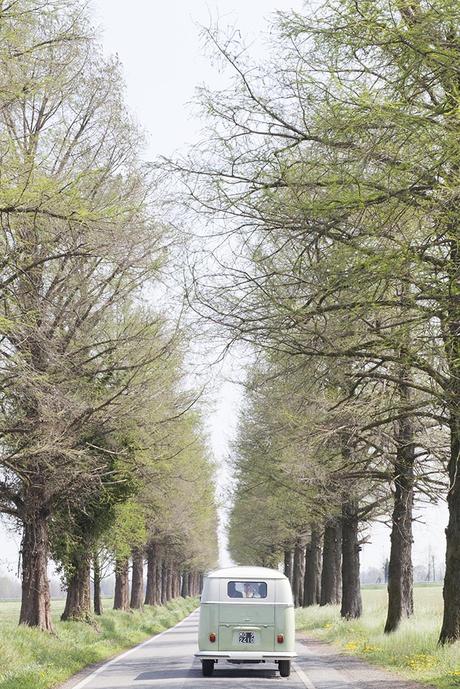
{"x":246,"y":638}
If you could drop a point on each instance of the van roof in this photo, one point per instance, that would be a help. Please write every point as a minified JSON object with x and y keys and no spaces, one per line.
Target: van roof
{"x":245,"y":573}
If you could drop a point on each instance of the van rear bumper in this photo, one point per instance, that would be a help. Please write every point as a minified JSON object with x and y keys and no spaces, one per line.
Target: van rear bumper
{"x":246,"y":655}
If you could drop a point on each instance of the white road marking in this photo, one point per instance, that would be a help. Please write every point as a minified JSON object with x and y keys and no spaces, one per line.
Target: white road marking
{"x":307,"y":682}
{"x":152,"y":639}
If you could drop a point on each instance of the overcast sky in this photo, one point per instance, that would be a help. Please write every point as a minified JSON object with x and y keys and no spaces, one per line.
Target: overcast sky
{"x":163,"y":61}
{"x":161,"y":50}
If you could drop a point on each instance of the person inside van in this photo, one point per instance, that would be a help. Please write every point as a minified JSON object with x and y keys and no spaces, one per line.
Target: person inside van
{"x":233,"y":591}
{"x":248,"y":590}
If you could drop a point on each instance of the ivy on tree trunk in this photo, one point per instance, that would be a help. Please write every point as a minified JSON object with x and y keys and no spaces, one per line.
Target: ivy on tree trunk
{"x":121,"y":597}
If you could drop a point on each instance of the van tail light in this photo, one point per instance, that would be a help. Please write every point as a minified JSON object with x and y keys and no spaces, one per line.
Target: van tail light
{"x":280,"y":638}
{"x":212,"y":637}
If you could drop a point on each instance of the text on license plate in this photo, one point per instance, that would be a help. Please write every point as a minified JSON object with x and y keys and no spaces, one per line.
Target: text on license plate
{"x":246,"y":638}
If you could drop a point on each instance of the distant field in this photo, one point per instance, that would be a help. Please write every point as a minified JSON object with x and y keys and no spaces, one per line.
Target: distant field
{"x":412,"y":651}
{"x":30,"y":659}
{"x":9,"y":610}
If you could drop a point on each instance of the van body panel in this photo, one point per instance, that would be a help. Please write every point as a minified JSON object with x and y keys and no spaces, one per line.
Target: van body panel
{"x":209,"y":623}
{"x":236,"y":613}
{"x":285,"y":624}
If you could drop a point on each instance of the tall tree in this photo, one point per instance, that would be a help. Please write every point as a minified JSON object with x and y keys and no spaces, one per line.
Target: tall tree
{"x":313,"y":167}
{"x":78,"y":245}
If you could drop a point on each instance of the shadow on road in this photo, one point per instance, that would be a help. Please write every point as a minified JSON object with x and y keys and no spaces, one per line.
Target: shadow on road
{"x":233,"y":672}
{"x":167,"y":673}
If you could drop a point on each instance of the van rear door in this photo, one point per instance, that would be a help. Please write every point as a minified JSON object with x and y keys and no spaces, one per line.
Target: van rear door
{"x":247,"y":625}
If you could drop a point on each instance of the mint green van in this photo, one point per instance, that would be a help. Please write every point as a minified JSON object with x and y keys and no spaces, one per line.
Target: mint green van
{"x":246,"y":616}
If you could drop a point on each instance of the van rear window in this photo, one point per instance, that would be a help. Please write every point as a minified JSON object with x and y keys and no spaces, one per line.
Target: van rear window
{"x":247,"y":589}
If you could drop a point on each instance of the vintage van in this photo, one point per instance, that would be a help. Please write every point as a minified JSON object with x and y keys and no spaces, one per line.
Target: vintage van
{"x":246,"y":616}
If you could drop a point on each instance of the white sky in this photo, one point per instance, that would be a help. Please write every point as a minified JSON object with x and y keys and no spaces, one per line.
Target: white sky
{"x":159,"y":46}
{"x":161,"y":51}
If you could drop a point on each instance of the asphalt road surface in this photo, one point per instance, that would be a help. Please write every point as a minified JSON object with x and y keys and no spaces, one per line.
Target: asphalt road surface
{"x":166,"y":662}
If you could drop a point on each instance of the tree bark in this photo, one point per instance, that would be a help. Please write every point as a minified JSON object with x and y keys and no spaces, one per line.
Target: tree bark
{"x":150,"y":590}
{"x":78,"y":600}
{"x":172,"y":584}
{"x":184,"y":587}
{"x":351,"y":585}
{"x":137,"y":582}
{"x":194,"y":583}
{"x":312,"y":579}
{"x":36,"y":600}
{"x":164,"y":583}
{"x":400,"y":572}
{"x":121,"y":597}
{"x":98,"y":609}
{"x":177,"y":584}
{"x":158,"y":582}
{"x":298,"y":572}
{"x":450,"y":630}
{"x":288,"y":564}
{"x":331,"y":576}
{"x":169,"y":582}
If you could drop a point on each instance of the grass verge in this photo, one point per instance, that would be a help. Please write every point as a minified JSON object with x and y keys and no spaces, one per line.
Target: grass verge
{"x":412,"y":651}
{"x":30,"y":659}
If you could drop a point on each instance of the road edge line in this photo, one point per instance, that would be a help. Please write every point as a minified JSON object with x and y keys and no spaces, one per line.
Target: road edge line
{"x":305,"y":679}
{"x":107,"y":664}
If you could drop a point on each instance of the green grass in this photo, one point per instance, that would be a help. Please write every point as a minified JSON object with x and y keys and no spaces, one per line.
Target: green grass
{"x":30,"y":659}
{"x":412,"y":651}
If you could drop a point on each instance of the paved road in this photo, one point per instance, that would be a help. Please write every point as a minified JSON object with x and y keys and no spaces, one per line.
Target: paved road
{"x":166,"y":662}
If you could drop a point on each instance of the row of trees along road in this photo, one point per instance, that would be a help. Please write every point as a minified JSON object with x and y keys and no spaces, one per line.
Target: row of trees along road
{"x":333,"y":166}
{"x":100,"y":453}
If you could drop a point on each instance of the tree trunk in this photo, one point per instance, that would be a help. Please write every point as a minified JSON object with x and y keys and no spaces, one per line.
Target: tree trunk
{"x":194,"y":583}
{"x":172,"y":583}
{"x":288,"y":564}
{"x":298,"y":572}
{"x":400,"y":573}
{"x":137,"y":582}
{"x":450,"y":630}
{"x":121,"y":597}
{"x":169,"y":582}
{"x":150,"y":598}
{"x":164,"y":583}
{"x":312,"y":579}
{"x":36,"y":600}
{"x":331,"y":576}
{"x":177,"y":587}
{"x":158,"y":582}
{"x":98,"y":610}
{"x":78,"y":600}
{"x":351,"y":585}
{"x":184,"y":588}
